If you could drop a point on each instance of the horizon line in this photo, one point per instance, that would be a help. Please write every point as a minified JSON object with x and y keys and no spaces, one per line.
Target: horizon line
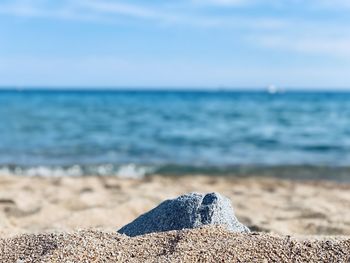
{"x":168,"y":88}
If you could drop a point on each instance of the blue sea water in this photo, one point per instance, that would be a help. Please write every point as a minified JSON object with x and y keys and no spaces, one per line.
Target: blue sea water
{"x":134,"y":132}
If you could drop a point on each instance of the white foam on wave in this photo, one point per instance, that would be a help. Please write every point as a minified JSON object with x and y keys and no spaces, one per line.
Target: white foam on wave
{"x":74,"y":170}
{"x":132,"y":171}
{"x":123,"y":171}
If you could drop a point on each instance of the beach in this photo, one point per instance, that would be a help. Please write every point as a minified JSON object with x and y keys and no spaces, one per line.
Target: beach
{"x":207,"y":244}
{"x":275,"y":209}
{"x":174,"y":131}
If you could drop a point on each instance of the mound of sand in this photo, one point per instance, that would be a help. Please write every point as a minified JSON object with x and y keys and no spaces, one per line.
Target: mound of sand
{"x":208,"y":244}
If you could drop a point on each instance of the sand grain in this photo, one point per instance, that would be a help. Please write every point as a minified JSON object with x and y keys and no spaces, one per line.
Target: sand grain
{"x":198,"y":245}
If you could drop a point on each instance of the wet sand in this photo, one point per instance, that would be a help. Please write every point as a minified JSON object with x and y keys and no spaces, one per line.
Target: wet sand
{"x":56,"y":208}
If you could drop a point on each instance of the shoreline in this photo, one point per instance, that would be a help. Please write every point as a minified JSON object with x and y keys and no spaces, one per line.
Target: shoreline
{"x":139,"y":171}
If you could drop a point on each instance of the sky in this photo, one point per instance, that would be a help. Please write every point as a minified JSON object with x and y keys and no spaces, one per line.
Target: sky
{"x":175,"y":43}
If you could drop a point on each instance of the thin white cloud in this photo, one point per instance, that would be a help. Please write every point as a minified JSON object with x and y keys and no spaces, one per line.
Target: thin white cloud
{"x":335,"y":4}
{"x":302,"y":4}
{"x":108,"y":11}
{"x":119,"y":8}
{"x":273,"y":31}
{"x":31,"y":9}
{"x":165,"y":16}
{"x":108,"y":8}
{"x":19,"y":9}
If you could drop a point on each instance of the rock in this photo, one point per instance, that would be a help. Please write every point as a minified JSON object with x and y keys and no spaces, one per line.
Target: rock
{"x":186,"y":211}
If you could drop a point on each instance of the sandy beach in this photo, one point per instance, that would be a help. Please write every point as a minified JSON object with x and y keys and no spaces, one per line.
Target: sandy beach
{"x":198,"y":245}
{"x":37,"y":204}
{"x":37,"y":209}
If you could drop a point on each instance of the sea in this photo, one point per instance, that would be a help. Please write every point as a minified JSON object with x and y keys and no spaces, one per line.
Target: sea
{"x":134,"y":133}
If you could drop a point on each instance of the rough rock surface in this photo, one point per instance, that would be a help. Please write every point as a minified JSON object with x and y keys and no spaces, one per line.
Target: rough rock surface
{"x":187,"y":211}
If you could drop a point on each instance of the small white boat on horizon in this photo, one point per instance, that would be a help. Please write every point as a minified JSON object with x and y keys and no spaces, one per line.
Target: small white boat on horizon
{"x":272,"y":89}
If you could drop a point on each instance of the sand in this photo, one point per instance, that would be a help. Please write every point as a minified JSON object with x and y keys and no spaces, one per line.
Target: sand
{"x":41,"y":217}
{"x":37,"y":204}
{"x":199,"y":245}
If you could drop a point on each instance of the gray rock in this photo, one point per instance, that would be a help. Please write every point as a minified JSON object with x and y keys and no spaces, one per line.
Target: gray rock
{"x":186,"y":211}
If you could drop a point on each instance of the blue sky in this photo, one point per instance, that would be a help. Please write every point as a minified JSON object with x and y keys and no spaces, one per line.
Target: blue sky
{"x":178,"y":43}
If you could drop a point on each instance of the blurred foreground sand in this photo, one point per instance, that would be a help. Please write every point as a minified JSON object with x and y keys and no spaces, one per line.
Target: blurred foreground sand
{"x":38,"y":204}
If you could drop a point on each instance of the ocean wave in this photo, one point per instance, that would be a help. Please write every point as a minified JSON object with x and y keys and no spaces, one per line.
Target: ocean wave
{"x":138,"y":171}
{"x":185,"y":128}
{"x":124,"y":171}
